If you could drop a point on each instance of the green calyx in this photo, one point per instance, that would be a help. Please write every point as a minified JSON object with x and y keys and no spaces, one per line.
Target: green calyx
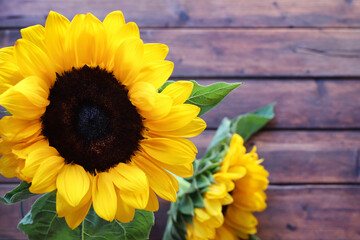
{"x":190,"y":195}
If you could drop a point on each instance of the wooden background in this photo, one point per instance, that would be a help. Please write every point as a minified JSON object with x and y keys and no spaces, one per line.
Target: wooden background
{"x":305,"y":55}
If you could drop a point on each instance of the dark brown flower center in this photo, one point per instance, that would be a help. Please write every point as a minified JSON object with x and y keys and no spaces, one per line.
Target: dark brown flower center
{"x":90,"y":119}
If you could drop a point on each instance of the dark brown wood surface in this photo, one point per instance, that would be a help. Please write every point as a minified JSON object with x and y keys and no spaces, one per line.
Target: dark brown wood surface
{"x":304,"y":55}
{"x":253,"y":52}
{"x":200,"y":13}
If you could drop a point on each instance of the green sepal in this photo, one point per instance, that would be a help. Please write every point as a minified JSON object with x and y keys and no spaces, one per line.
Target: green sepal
{"x":186,"y":205}
{"x":253,"y":237}
{"x":197,"y":198}
{"x":20,"y":193}
{"x":194,"y":188}
{"x":42,"y":222}
{"x":202,"y":181}
{"x":206,"y":97}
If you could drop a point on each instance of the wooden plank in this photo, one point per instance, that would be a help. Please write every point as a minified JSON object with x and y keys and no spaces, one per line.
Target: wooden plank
{"x":11,"y":215}
{"x":201,"y":13}
{"x":301,"y":213}
{"x":322,"y":212}
{"x":304,"y":156}
{"x":253,"y":52}
{"x":300,"y":103}
{"x":304,"y":212}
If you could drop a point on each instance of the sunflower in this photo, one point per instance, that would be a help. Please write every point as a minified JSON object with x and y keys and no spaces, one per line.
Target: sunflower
{"x":87,"y":119}
{"x":229,"y":202}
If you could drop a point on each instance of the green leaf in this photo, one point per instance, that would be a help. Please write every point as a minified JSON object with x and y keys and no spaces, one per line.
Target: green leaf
{"x":18,"y":194}
{"x":248,"y":124}
{"x":42,"y":223}
{"x":95,"y":227}
{"x":245,"y":125}
{"x":207,"y":97}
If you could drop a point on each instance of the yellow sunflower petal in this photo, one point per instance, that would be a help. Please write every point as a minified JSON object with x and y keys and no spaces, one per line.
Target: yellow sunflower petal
{"x":154,"y":52}
{"x":250,"y":202}
{"x":213,"y":206}
{"x":201,"y":215}
{"x":169,"y":151}
{"x":114,"y":21}
{"x":153,"y":204}
{"x":183,"y":170}
{"x":85,"y":32}
{"x":55,"y":31}
{"x":128,"y":30}
{"x":128,"y":177}
{"x":5,"y":147}
{"x":9,"y":165}
{"x":36,"y":35}
{"x":156,"y":73}
{"x":216,"y":191}
{"x":63,"y":207}
{"x":224,"y":233}
{"x":20,"y":129}
{"x":22,"y":150}
{"x":192,"y":129}
{"x":35,"y":159}
{"x":27,"y":99}
{"x":75,"y":218}
{"x":45,"y":176}
{"x":73,"y":193}
{"x":124,"y":213}
{"x":179,"y":91}
{"x":90,"y":36}
{"x":138,"y":198}
{"x":9,"y":71}
{"x":241,"y":219}
{"x":33,"y":61}
{"x":216,"y":221}
{"x":127,"y":62}
{"x":143,"y":96}
{"x":161,"y":108}
{"x":163,"y":183}
{"x":228,"y":199}
{"x":104,"y":196}
{"x":202,"y":230}
{"x":178,"y":117}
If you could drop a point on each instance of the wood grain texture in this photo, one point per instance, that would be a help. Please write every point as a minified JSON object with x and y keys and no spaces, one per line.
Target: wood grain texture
{"x":253,"y":52}
{"x":302,"y":104}
{"x":10,"y":216}
{"x":302,"y":213}
{"x":187,"y":13}
{"x":304,"y":156}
